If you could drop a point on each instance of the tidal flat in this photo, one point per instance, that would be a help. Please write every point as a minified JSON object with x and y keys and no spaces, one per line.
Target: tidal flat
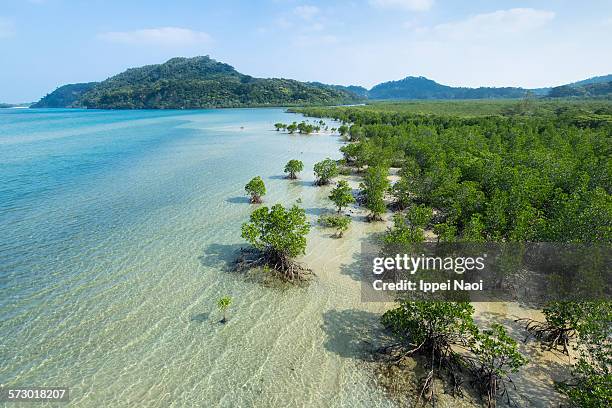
{"x":119,"y":230}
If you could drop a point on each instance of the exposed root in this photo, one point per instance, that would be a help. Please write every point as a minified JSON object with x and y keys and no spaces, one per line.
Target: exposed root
{"x":441,"y":362}
{"x":286,"y":268}
{"x":374,"y":217}
{"x":553,"y":338}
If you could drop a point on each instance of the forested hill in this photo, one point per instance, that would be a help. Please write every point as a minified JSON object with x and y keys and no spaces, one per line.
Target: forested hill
{"x":584,"y":90}
{"x":199,"y":82}
{"x":66,"y":96}
{"x":202,"y":82}
{"x":424,"y":88}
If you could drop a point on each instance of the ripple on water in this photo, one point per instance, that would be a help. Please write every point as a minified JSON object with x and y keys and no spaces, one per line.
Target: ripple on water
{"x":115,"y":253}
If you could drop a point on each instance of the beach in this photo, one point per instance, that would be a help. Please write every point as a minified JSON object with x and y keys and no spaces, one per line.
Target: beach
{"x":122,"y":230}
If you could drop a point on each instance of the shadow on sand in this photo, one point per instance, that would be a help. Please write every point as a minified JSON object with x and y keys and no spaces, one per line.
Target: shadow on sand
{"x":220,"y":255}
{"x":238,"y":200}
{"x":353,"y":333}
{"x":200,"y":317}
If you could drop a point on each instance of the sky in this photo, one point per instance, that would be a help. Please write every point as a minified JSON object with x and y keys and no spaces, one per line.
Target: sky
{"x":533,"y":43}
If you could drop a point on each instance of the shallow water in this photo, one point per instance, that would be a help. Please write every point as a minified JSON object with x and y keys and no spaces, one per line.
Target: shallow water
{"x":117,"y":227}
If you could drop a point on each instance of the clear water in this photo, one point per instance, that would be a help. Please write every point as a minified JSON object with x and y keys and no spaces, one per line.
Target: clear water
{"x":115,"y":230}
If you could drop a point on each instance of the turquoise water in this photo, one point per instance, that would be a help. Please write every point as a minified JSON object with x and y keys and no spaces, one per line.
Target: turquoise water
{"x":116,"y":229}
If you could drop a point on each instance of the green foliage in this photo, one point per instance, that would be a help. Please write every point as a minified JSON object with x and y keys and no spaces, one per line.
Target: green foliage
{"x":223,"y":304}
{"x":545,"y":175}
{"x":425,"y":323}
{"x":67,"y":96}
{"x":591,"y":323}
{"x":307,"y":128}
{"x":587,"y":328}
{"x":423,"y":88}
{"x":496,"y":357}
{"x":343,"y":130}
{"x":280,"y":126}
{"x":356,"y":154}
{"x":324,"y":171}
{"x":278,"y":232}
{"x":401,"y":191}
{"x":356,"y":132}
{"x":337,"y":221}
{"x":525,"y":170}
{"x":602,"y":89}
{"x":342,"y":195}
{"x":433,"y":329}
{"x":375,"y":184}
{"x":196,"y":83}
{"x":292,"y":167}
{"x":591,"y":386}
{"x":446,"y":232}
{"x":408,"y":229}
{"x":292,"y":128}
{"x":256,"y":189}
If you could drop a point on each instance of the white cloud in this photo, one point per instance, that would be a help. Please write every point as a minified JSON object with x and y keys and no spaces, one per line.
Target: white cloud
{"x":162,"y":36}
{"x":513,"y":21}
{"x":411,"y":5}
{"x":7,"y":28}
{"x":306,"y":12}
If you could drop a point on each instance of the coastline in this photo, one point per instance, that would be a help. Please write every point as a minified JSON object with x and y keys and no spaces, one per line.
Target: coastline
{"x":334,"y":260}
{"x":136,"y":297}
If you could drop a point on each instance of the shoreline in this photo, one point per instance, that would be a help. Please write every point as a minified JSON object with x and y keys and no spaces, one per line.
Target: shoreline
{"x":535,"y":382}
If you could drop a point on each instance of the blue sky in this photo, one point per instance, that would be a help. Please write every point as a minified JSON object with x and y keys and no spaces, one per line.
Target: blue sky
{"x":47,"y":43}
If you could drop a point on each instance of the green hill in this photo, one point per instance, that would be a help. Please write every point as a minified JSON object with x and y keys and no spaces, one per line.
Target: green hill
{"x":587,"y":90}
{"x":66,"y":96}
{"x":594,"y":80}
{"x":424,"y":88}
{"x":194,"y":83}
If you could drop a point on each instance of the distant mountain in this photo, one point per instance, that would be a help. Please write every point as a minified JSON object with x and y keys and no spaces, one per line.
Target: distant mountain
{"x":192,"y":83}
{"x":424,"y":88}
{"x":202,"y":82}
{"x":359,"y":91}
{"x":587,"y":90}
{"x":66,"y":96}
{"x":594,"y":80}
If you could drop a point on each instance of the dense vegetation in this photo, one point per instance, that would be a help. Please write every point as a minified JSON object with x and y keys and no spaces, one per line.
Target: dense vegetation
{"x":591,"y":90}
{"x":67,"y":96}
{"x":544,"y":176}
{"x":438,"y":330}
{"x":524,"y":171}
{"x":324,"y":171}
{"x":202,"y":82}
{"x":192,"y":83}
{"x":302,"y":127}
{"x":423,"y":88}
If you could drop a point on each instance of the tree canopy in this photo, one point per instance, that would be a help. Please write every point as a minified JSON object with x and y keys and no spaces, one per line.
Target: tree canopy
{"x":256,"y":189}
{"x":324,"y":171}
{"x":342,"y":195}
{"x":279,"y":234}
{"x":293,"y":167}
